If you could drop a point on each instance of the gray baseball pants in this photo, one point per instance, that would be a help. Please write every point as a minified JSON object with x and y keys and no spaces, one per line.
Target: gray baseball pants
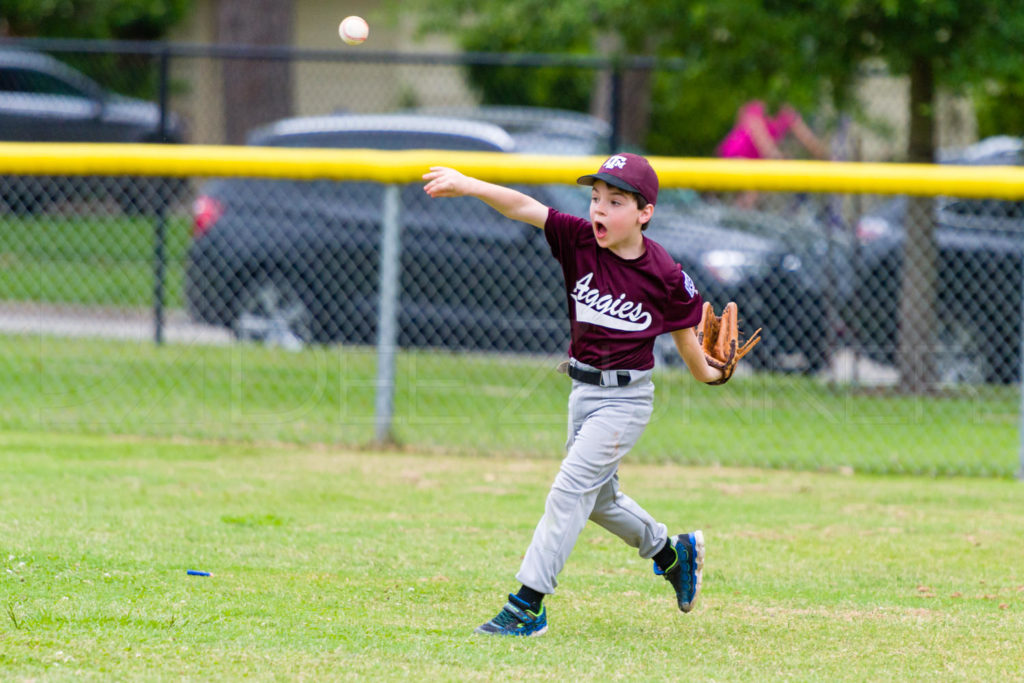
{"x":604,"y":423}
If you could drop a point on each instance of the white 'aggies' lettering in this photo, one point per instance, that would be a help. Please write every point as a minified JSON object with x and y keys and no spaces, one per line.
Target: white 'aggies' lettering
{"x":606,"y":310}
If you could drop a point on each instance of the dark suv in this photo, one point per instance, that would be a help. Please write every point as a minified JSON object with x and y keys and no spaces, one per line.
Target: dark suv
{"x":298,"y":261}
{"x":537,"y":130}
{"x":44,"y":100}
{"x":980,"y":244}
{"x":293,"y":262}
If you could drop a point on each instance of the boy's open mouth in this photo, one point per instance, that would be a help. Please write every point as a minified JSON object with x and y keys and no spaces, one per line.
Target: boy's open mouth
{"x":600,"y":230}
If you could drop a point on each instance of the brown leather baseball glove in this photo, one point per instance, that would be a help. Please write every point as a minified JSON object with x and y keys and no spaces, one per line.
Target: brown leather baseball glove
{"x":719,"y":337}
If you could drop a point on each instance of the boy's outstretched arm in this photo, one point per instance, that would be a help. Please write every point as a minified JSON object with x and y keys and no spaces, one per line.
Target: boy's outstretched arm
{"x":693,"y":355}
{"x":447,"y":182}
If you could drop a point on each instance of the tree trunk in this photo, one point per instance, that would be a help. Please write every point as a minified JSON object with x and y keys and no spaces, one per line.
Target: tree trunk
{"x":635,"y":107}
{"x":256,"y":91}
{"x":917,"y":293}
{"x":631,"y":115}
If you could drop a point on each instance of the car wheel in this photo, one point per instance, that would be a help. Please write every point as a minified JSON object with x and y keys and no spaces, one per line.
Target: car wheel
{"x":959,"y":358}
{"x":271,"y":311}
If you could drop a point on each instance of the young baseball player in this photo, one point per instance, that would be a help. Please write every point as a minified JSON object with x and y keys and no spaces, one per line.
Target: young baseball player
{"x":623,"y":291}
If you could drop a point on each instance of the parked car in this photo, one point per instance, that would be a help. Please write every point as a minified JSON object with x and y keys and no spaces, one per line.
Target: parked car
{"x":980,"y":244}
{"x":296,"y":262}
{"x":538,"y":130}
{"x":44,"y":100}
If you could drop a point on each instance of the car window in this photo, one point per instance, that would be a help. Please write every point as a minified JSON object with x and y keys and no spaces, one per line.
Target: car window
{"x":987,"y":207}
{"x":35,"y":82}
{"x":385,"y":139}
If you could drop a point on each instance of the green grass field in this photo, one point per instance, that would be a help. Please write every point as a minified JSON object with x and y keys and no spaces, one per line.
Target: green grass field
{"x":126,"y":464}
{"x":103,"y":260}
{"x":332,"y":564}
{"x":485,"y":405}
{"x":459,"y":403}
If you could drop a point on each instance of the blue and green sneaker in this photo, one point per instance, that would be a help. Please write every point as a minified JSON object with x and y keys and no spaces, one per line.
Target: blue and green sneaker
{"x":516,"y":619}
{"x":685,"y":573}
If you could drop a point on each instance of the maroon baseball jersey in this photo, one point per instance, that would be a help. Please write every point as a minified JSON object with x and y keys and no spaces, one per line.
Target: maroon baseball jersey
{"x":617,"y":306}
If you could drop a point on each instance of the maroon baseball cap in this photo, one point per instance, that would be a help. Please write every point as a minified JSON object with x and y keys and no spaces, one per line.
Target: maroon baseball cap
{"x":630,"y":172}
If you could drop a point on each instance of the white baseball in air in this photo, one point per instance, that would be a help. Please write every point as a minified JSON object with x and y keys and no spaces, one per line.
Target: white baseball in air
{"x":353,"y":30}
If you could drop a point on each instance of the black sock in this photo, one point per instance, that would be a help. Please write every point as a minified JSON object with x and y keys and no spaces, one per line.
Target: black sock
{"x":531,"y":596}
{"x":666,"y":556}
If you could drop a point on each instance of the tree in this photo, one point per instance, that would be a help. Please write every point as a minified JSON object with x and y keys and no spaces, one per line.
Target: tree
{"x":568,"y":27}
{"x":799,"y":51}
{"x":999,"y":107}
{"x":256,"y":91}
{"x":684,"y":110}
{"x":937,"y":44}
{"x":117,"y":19}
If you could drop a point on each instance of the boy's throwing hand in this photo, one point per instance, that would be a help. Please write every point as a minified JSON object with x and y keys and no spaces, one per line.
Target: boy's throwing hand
{"x":446,"y":182}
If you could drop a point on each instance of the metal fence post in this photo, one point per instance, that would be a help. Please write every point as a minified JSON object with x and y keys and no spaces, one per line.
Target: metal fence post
{"x":387,"y":321}
{"x":160,"y":212}
{"x":615,"y":111}
{"x":1020,"y":436}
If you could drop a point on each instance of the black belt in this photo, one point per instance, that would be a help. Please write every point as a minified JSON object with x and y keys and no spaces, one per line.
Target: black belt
{"x":594,"y":376}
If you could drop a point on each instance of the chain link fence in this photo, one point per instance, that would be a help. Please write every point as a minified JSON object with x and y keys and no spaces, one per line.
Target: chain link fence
{"x":280,"y":296}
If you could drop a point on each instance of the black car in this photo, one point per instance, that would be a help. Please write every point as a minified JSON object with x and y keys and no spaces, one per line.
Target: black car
{"x":297,"y":261}
{"x":980,"y":244}
{"x":44,"y":100}
{"x":294,"y":262}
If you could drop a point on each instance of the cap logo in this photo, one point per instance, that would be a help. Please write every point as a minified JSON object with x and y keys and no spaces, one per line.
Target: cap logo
{"x":616,"y":161}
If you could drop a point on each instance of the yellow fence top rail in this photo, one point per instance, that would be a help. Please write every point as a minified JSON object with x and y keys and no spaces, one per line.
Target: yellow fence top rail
{"x":38,"y":158}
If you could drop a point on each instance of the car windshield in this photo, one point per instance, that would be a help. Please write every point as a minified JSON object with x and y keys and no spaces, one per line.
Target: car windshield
{"x":35,"y":82}
{"x":381,"y":139}
{"x":987,"y":207}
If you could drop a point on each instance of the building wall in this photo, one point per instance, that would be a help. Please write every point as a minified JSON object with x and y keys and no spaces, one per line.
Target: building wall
{"x":197,"y":82}
{"x":883,"y":135}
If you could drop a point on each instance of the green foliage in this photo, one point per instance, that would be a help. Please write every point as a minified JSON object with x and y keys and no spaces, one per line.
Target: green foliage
{"x":530,"y":86}
{"x":805,"y":52}
{"x":497,"y":27}
{"x":118,"y":19}
{"x":689,"y":114}
{"x":1000,"y":109}
{"x":963,"y":40}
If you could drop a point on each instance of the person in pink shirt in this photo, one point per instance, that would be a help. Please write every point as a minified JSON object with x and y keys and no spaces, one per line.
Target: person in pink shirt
{"x":757,"y":135}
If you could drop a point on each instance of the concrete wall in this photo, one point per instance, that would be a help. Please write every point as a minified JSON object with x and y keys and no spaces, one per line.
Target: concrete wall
{"x":883,"y":137}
